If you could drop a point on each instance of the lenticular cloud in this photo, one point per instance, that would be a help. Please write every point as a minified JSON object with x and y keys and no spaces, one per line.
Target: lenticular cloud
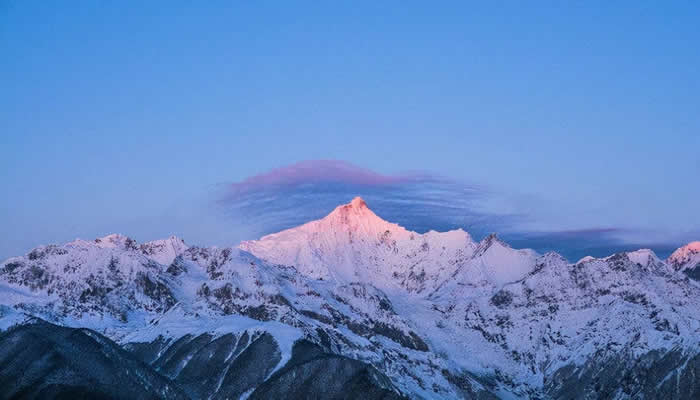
{"x":295,"y":194}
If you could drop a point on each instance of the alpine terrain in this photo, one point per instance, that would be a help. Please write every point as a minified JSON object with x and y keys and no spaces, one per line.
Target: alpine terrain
{"x":348,"y":306}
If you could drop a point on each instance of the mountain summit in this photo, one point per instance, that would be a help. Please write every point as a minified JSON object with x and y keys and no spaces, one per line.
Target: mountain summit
{"x":349,"y":304}
{"x":358,"y":203}
{"x":353,"y":244}
{"x":355,"y":218}
{"x":687,"y":259}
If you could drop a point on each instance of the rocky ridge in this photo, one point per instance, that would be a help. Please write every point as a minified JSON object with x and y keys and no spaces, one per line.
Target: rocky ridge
{"x":433,"y":315}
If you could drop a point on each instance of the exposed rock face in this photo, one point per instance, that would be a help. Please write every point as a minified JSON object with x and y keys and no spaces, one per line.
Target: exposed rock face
{"x":687,"y":259}
{"x":608,"y":375}
{"x":41,"y":360}
{"x":434,"y":315}
{"x":312,"y":371}
{"x":353,"y":244}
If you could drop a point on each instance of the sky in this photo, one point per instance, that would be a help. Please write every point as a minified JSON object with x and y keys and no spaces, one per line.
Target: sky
{"x":568,"y":125}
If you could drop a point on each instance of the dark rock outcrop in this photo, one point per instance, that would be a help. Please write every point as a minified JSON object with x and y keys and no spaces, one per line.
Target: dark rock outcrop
{"x":42,"y":360}
{"x":313,"y":374}
{"x":654,"y":375}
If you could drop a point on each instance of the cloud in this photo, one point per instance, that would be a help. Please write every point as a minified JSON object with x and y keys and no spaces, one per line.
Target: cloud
{"x":578,"y":243}
{"x":292,"y":195}
{"x":420,"y":201}
{"x":318,"y":171}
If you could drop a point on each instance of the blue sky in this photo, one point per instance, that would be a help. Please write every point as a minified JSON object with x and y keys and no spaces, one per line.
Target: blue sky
{"x":132,"y":118}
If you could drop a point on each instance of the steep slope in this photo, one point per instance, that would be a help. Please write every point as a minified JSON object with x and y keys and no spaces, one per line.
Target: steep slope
{"x":312,"y":371}
{"x":164,"y":251}
{"x":570,"y":315}
{"x":41,"y":360}
{"x":352,"y":244}
{"x":109,"y":278}
{"x":207,"y":291}
{"x":687,"y":260}
{"x":437,"y":315}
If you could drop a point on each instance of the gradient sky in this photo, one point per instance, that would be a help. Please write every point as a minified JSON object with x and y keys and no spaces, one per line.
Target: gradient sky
{"x":128,"y":117}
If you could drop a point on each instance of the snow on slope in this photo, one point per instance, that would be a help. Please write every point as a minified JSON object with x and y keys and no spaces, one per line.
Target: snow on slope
{"x":111,"y":286}
{"x":644,"y":257}
{"x":352,"y":244}
{"x":164,"y":251}
{"x":686,"y":257}
{"x":332,"y":241}
{"x":429,"y":310}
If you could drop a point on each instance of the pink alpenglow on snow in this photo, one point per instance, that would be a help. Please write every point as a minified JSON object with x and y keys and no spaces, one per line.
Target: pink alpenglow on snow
{"x":686,"y":257}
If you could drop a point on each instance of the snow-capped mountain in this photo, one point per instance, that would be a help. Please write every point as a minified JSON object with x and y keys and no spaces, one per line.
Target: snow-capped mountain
{"x":401,"y":314}
{"x":352,"y":244}
{"x":687,"y":259}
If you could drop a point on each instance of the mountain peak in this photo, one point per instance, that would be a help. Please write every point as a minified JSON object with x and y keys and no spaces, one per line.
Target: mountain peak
{"x":172,"y":239}
{"x":643,"y":257}
{"x":358,"y":202}
{"x":164,"y":250}
{"x":115,"y":240}
{"x":693,"y":247}
{"x":686,"y":256}
{"x":489,"y":241}
{"x":355,"y":210}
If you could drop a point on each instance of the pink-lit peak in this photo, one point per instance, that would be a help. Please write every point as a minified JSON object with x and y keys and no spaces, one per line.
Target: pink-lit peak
{"x":688,"y":249}
{"x":358,"y":202}
{"x":354,"y":210}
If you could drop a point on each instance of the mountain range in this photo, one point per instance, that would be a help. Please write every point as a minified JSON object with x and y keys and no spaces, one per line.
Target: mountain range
{"x":343,"y":307}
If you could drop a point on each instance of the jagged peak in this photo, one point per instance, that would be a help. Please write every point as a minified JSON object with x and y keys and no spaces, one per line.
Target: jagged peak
{"x":645,"y":252}
{"x":356,"y":207}
{"x":356,"y":213}
{"x":164,"y":250}
{"x":160,"y":250}
{"x":644,"y":257}
{"x":553,"y":256}
{"x":115,"y":240}
{"x":357,"y":217}
{"x":640,"y":256}
{"x":490,"y":240}
{"x":685,"y":254}
{"x":586,"y":259}
{"x":120,"y":240}
{"x":172,"y":239}
{"x":690,"y":248}
{"x":358,"y":202}
{"x":112,"y":237}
